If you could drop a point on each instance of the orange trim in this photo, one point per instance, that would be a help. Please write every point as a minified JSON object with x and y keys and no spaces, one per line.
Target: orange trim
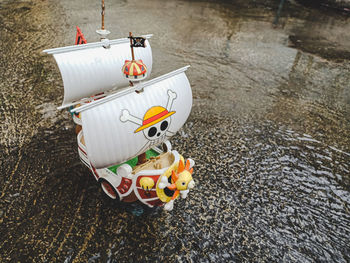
{"x":174,"y":176}
{"x":155,"y":117}
{"x":175,"y":194}
{"x":187,"y":167}
{"x":172,"y":187}
{"x":181,"y":167}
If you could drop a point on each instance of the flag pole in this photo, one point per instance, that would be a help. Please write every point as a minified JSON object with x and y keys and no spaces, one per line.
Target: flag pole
{"x":103,"y":32}
{"x":132,"y":48}
{"x":103,"y":15}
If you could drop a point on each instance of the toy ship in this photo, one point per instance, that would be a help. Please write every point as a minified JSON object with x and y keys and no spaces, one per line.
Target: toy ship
{"x":124,"y":123}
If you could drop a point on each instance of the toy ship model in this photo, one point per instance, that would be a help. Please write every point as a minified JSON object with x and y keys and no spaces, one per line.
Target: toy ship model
{"x":122,"y":121}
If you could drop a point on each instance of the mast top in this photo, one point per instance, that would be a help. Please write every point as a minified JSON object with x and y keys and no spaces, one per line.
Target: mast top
{"x":103,"y":32}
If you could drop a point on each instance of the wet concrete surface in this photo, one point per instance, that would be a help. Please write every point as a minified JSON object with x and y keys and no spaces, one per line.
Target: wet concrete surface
{"x":337,"y":5}
{"x":269,"y":131}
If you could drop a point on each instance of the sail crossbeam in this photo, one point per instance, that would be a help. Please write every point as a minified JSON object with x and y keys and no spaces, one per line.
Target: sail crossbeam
{"x":89,"y":45}
{"x":86,"y":100}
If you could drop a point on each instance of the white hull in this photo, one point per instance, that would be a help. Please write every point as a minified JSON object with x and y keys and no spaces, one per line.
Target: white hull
{"x":123,"y":183}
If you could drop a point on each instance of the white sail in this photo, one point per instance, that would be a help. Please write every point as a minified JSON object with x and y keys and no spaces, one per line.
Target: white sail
{"x":91,"y":68}
{"x":121,"y":126}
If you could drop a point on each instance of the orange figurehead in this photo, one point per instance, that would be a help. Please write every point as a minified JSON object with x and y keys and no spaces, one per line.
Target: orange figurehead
{"x":182,"y":182}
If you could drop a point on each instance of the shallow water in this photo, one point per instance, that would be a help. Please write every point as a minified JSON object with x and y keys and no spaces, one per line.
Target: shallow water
{"x":269,"y":132}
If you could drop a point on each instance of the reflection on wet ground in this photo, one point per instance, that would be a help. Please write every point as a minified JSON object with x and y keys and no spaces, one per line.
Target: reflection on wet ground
{"x":269,"y":131}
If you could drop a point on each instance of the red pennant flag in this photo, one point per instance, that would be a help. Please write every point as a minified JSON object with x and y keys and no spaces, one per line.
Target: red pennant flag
{"x":80,"y":39}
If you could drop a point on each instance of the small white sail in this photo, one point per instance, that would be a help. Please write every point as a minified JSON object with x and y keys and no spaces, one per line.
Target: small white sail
{"x":91,"y":68}
{"x":121,"y":126}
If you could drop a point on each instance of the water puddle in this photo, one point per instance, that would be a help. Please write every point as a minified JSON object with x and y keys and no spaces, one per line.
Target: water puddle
{"x":269,"y":131}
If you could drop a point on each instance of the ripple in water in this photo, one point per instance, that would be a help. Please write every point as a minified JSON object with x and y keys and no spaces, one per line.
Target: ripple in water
{"x":295,"y":196}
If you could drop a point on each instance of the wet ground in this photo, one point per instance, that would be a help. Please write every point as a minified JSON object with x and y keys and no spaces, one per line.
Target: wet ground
{"x":269,"y":131}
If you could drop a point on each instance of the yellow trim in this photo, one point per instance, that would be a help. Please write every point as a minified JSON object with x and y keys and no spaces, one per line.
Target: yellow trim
{"x":135,"y":65}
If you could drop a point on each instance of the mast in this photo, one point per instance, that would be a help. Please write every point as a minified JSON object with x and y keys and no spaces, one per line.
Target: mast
{"x":103,"y":15}
{"x":132,"y":47}
{"x":103,"y":32}
{"x":131,"y":84}
{"x":141,"y":158}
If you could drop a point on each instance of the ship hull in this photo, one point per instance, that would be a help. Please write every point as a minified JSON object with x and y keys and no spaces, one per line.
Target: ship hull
{"x":124,"y":185}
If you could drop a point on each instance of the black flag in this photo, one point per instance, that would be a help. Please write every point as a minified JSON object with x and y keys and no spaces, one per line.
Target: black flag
{"x":138,"y":41}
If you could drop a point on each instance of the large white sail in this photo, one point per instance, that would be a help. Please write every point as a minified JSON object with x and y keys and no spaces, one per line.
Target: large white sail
{"x":91,"y":68}
{"x":123,"y":125}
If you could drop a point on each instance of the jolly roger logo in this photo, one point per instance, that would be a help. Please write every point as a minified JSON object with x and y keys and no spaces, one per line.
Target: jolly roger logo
{"x":138,"y":41}
{"x":155,"y":123}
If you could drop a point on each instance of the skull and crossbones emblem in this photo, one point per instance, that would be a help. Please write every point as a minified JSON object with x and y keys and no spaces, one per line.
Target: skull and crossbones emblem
{"x":155,"y":123}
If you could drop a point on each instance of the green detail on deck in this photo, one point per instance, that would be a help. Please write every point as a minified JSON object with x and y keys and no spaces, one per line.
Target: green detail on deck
{"x":132,"y":162}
